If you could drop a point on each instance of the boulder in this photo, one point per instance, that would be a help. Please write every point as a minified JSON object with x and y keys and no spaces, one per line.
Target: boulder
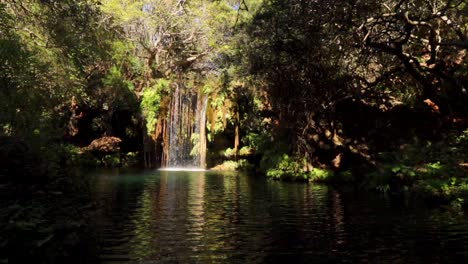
{"x":105,"y":145}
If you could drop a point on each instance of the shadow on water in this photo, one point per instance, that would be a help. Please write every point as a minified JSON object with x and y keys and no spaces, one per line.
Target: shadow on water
{"x":208,"y":217}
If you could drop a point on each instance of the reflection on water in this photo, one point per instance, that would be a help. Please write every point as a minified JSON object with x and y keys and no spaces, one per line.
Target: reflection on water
{"x":207,"y":217}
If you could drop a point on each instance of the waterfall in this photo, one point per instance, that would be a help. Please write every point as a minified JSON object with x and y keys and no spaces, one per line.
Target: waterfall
{"x":186,"y":129}
{"x":174,"y":128}
{"x":202,"y":158}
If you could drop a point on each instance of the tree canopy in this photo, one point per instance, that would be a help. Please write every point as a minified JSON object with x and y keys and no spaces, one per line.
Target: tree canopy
{"x":334,"y":83}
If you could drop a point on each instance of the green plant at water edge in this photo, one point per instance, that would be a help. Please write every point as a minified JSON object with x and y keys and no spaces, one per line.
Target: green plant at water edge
{"x":294,"y":169}
{"x":432,"y":170}
{"x":228,"y":165}
{"x":112,"y":160}
{"x":151,"y":103}
{"x":286,"y":168}
{"x":320,"y":175}
{"x":231,"y":165}
{"x":131,"y":159}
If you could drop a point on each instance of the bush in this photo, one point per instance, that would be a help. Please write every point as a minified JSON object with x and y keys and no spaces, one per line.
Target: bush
{"x":245,"y":151}
{"x":320,"y":175}
{"x":131,"y":159}
{"x":228,"y":165}
{"x":112,"y":160}
{"x":272,"y":156}
{"x":229,"y":153}
{"x":293,"y":169}
{"x":432,"y":170}
{"x":231,"y":165}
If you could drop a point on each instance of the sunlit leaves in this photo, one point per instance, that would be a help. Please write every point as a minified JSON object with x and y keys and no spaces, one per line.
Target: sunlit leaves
{"x":151,"y":103}
{"x":48,"y":51}
{"x":124,"y":11}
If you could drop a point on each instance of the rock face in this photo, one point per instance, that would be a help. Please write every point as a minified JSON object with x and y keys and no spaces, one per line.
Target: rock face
{"x":104,"y":145}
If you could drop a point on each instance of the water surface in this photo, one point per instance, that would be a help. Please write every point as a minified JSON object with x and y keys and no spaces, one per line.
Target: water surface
{"x":208,"y":217}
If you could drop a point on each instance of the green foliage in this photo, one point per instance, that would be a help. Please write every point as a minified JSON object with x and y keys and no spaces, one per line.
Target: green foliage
{"x":131,"y":159}
{"x":115,"y":79}
{"x":389,"y":174}
{"x":111,"y":160}
{"x":245,"y":151}
{"x":320,"y":175}
{"x":48,"y":54}
{"x":430,"y":169}
{"x":231,"y":165}
{"x":228,"y":165}
{"x":271,"y":156}
{"x":195,"y":138}
{"x":292,"y":169}
{"x":229,"y":153}
{"x":123,"y":11}
{"x":19,"y":76}
{"x":258,"y":141}
{"x":219,"y":105}
{"x":286,"y":168}
{"x":124,"y":58}
{"x":151,"y":102}
{"x":305,"y":57}
{"x":244,"y":165}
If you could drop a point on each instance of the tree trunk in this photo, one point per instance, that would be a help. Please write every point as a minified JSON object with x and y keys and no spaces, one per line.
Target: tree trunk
{"x":236,"y":135}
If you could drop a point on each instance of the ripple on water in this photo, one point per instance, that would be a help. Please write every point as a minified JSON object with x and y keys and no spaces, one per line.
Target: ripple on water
{"x":205,"y":217}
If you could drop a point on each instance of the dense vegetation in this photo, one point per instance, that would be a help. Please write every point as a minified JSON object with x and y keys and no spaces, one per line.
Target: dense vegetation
{"x":370,"y":94}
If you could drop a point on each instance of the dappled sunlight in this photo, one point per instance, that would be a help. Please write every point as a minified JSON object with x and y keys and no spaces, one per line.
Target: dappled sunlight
{"x":243,"y":131}
{"x":192,"y":217}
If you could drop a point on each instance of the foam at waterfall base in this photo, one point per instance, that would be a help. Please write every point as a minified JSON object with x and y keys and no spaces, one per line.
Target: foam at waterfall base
{"x":181,"y":169}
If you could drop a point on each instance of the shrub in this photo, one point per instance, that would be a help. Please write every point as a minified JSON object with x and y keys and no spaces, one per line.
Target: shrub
{"x":231,"y":165}
{"x":293,"y":169}
{"x":432,"y":170}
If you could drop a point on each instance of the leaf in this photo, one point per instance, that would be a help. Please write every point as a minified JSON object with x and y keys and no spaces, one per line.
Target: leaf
{"x":45,"y":240}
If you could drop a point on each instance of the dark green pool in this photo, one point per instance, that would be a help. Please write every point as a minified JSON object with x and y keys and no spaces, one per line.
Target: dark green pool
{"x":208,"y":217}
